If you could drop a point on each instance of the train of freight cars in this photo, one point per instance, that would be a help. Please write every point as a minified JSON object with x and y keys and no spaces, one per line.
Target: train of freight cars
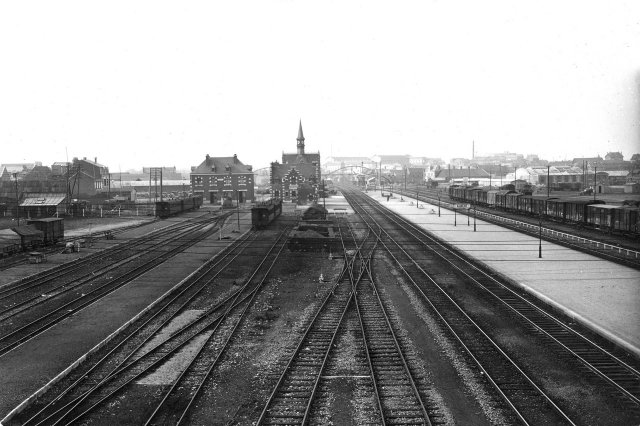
{"x":624,"y":220}
{"x":165,"y":209}
{"x":37,"y":232}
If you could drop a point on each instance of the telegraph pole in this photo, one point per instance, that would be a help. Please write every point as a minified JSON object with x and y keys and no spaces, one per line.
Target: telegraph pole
{"x":548,"y":180}
{"x":324,"y":196}
{"x":595,"y":180}
{"x":15,"y":177}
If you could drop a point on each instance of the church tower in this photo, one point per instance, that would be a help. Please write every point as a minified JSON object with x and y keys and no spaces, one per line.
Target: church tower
{"x":300,"y":140}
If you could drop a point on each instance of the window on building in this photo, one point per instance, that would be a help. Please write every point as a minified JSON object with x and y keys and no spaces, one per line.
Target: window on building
{"x":227,"y":181}
{"x":294,"y":193}
{"x":286,"y":193}
{"x":212,"y":180}
{"x":197,"y":180}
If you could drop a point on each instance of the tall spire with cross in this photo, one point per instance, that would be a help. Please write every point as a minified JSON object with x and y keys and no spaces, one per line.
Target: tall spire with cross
{"x":300,"y":140}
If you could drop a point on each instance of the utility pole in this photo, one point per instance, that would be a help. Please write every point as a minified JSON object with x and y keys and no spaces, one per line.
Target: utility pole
{"x":548,"y":180}
{"x":324,"y":196}
{"x":15,"y":177}
{"x":238,"y":205}
{"x":161,"y":193}
{"x":78,"y":177}
{"x":595,"y":181}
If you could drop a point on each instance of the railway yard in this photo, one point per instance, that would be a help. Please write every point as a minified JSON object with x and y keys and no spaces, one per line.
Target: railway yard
{"x":398,"y":311}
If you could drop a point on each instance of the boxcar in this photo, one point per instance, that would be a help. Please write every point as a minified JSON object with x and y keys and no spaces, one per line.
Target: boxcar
{"x":576,"y":210}
{"x":491,"y":197}
{"x":533,"y":204}
{"x":264,"y":213}
{"x":507,"y":199}
{"x":165,"y":209}
{"x":624,"y":220}
{"x":51,"y":227}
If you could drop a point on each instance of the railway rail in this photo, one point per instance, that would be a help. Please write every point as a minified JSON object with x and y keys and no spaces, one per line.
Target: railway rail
{"x":22,"y":258}
{"x":142,"y":349}
{"x":614,"y":249}
{"x":398,"y":400}
{"x":19,"y":320}
{"x":600,"y":359}
{"x":528,"y":403}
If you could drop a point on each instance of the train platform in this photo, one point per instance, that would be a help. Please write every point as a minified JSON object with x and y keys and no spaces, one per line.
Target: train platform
{"x":39,"y":362}
{"x":602,"y":295}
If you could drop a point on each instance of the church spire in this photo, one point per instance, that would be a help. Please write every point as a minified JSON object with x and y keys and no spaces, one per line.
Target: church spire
{"x":300,"y":140}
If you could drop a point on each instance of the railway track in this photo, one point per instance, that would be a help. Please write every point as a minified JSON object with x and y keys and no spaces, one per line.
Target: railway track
{"x":527,"y":402}
{"x":20,"y":321}
{"x":598,"y":358}
{"x":395,"y":390}
{"x":595,"y":245}
{"x":22,"y":258}
{"x":147,"y":347}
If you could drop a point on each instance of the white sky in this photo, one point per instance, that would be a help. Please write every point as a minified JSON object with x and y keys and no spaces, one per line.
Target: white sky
{"x":164,"y":83}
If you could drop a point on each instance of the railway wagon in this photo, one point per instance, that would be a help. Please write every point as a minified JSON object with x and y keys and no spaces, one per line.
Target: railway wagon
{"x":533,"y":204}
{"x":165,"y":209}
{"x":51,"y":227}
{"x":623,"y":220}
{"x":576,"y":210}
{"x":29,"y":236}
{"x":264,"y":213}
{"x":507,"y":199}
{"x":491,"y":197}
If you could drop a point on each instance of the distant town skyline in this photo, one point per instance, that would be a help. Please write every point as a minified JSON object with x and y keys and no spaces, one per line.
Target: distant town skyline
{"x":149,"y":84}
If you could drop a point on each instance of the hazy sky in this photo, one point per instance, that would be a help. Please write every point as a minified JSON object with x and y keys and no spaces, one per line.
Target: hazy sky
{"x":165,"y":83}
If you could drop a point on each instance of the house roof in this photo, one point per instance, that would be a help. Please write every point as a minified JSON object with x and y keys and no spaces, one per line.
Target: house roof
{"x":461,"y":173}
{"x":296,"y":158}
{"x":220,"y":164}
{"x":42,"y":200}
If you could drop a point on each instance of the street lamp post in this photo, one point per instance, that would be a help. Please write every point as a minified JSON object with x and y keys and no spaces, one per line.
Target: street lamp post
{"x":469,"y":216}
{"x":455,"y":215}
{"x":540,"y":232}
{"x":474,"y":218}
{"x":439,"y":194}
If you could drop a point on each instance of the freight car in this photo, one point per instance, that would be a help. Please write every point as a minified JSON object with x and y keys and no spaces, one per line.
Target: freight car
{"x":592,"y":213}
{"x":623,"y":220}
{"x":165,"y":209}
{"x":51,"y":227}
{"x":264,"y":213}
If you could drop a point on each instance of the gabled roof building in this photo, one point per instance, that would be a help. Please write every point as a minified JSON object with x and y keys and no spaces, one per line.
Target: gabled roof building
{"x":219,"y":178}
{"x":298,"y":177}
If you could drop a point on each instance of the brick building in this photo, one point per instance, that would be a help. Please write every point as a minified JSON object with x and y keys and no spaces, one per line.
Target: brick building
{"x":217,"y":178}
{"x":298,"y":177}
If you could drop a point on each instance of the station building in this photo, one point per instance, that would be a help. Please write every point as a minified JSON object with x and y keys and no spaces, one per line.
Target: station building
{"x":298,"y":178}
{"x":218,"y":178}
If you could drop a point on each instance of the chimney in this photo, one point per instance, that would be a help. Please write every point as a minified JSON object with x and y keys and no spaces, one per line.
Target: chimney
{"x":235,"y":159}
{"x":84,"y":158}
{"x":208,"y":160}
{"x":95,"y":159}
